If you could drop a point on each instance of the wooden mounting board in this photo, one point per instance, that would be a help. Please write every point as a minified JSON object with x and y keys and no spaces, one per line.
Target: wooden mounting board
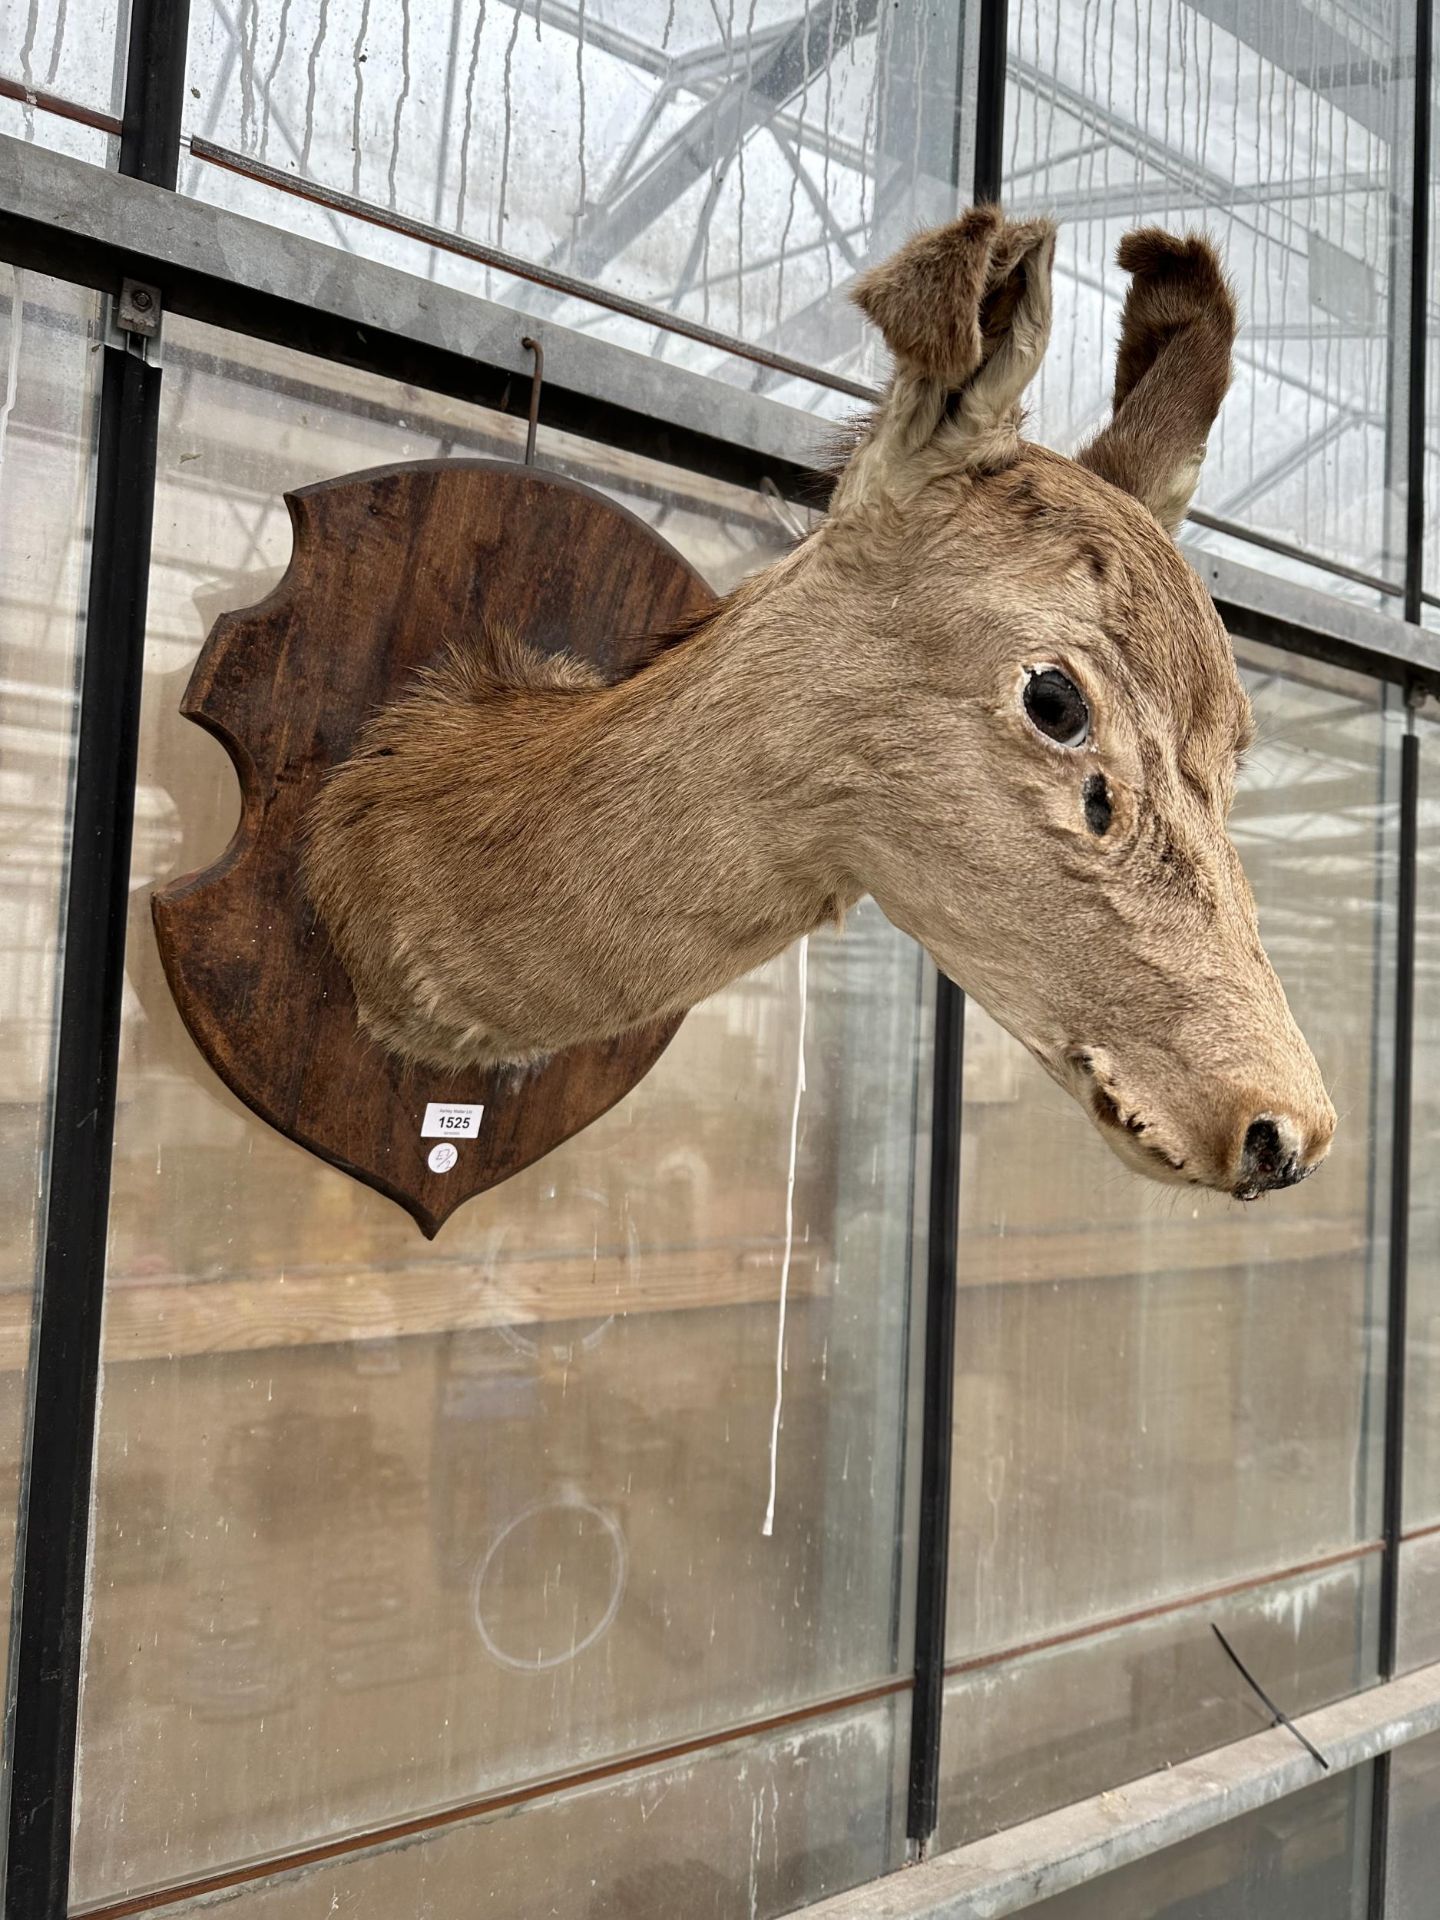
{"x":387,"y":565}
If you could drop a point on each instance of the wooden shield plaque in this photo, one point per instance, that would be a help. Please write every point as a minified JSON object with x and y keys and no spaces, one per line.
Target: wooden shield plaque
{"x":388,"y":565}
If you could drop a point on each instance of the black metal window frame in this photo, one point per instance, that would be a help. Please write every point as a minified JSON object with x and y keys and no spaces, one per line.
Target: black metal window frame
{"x":51,"y":1563}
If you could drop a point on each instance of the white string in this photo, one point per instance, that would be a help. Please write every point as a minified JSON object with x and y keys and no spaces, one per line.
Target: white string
{"x":769,"y":1526}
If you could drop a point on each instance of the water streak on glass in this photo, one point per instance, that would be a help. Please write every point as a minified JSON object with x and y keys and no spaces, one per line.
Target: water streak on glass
{"x":732,"y":165}
{"x":1282,"y":130}
{"x":73,"y":51}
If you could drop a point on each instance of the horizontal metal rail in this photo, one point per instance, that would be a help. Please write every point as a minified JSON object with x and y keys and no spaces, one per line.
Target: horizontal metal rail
{"x":1028,"y":1863}
{"x":83,"y":223}
{"x":41,"y":101}
{"x":1259,"y":606}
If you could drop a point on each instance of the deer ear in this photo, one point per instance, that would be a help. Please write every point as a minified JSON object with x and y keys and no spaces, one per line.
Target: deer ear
{"x":1171,"y":373}
{"x":965,"y":311}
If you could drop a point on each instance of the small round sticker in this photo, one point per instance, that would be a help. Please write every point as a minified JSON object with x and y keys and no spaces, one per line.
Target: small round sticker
{"x":443,"y":1157}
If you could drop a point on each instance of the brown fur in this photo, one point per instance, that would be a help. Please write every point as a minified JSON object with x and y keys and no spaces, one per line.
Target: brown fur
{"x":518,"y":858}
{"x":1173,"y":368}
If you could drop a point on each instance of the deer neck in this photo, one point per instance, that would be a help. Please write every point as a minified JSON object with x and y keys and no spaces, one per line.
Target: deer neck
{"x":742,"y":739}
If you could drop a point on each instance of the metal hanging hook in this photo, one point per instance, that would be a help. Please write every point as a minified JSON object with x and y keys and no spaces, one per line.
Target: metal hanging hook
{"x":537,"y":380}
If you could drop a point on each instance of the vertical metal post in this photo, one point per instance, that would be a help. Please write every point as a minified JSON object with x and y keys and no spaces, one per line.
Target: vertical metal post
{"x":990,"y":99}
{"x":1398,"y":1302}
{"x":1419,"y":302}
{"x":1397,"y":1308}
{"x":933,"y":1545}
{"x":47,"y":1632}
{"x":154,"y":91}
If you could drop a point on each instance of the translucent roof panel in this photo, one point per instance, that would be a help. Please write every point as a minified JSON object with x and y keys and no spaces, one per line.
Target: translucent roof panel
{"x":70,"y":56}
{"x":729,"y":167}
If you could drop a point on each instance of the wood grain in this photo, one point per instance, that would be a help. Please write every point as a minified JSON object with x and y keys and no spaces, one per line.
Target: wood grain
{"x":387,"y":566}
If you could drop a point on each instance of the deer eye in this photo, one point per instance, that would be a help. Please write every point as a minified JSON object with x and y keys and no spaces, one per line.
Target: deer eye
{"x":1056,"y":707}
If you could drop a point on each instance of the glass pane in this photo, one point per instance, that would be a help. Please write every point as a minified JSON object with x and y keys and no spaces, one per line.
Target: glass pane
{"x":1161,"y":1398}
{"x":23,"y":122}
{"x":758,"y":1827}
{"x":1414,"y":1874}
{"x":48,"y":381}
{"x":68,"y":54}
{"x":1305,"y":1858}
{"x":1419,"y":1641}
{"x":1422,"y":1394}
{"x":733,"y":168}
{"x":383,"y":1527}
{"x":1024,"y":1735}
{"x":1282,"y":129}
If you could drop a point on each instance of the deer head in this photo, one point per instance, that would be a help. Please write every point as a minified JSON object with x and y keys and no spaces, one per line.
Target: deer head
{"x":987,"y":690}
{"x":1049,"y":816}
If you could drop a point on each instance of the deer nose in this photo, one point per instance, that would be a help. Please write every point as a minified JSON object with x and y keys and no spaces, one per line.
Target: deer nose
{"x":1274,"y":1155}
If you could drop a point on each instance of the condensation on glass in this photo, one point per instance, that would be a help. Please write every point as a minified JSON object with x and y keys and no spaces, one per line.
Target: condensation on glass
{"x":1304,"y":1858}
{"x":47,"y":408}
{"x":732,"y":165}
{"x":1166,"y":1408}
{"x":64,"y":53}
{"x":383,"y":1527}
{"x":1283,"y":130}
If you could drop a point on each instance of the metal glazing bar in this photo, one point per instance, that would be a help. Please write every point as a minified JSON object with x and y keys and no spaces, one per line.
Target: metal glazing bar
{"x":47,"y":1636}
{"x":1419,"y":309}
{"x":1398,"y":1303}
{"x":990,"y":99}
{"x":933,"y":1542}
{"x":154,"y":91}
{"x":936,"y":1447}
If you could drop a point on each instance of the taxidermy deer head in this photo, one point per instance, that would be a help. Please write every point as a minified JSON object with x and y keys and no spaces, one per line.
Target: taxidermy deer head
{"x":987,"y":690}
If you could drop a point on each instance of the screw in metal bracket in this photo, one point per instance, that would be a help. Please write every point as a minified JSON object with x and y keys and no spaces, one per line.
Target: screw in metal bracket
{"x":138,"y":309}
